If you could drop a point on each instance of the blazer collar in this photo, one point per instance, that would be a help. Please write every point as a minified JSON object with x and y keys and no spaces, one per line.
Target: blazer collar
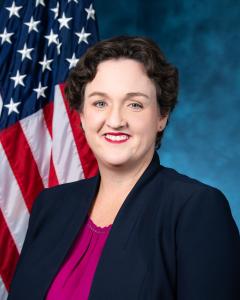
{"x":153,"y":167}
{"x":92,"y":185}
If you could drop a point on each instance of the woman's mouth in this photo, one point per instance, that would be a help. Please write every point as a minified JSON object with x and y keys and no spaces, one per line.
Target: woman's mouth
{"x":116,"y":139}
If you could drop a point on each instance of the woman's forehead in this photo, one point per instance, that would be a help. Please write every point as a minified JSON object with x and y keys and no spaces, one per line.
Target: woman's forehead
{"x":121,"y":75}
{"x":121,"y":64}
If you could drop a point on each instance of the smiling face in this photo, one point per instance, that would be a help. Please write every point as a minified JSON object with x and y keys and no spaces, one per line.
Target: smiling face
{"x":120,"y":115}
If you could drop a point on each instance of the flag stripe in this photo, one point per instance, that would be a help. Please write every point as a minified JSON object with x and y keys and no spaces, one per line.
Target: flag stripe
{"x":8,"y":251}
{"x":15,"y":212}
{"x":48,"y":115}
{"x":88,"y":161}
{"x":39,"y":140}
{"x":3,"y":291}
{"x":18,"y":154}
{"x":65,"y":155}
{"x":53,"y":180}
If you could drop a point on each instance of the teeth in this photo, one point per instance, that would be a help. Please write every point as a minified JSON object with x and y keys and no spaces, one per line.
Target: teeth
{"x":117,"y":138}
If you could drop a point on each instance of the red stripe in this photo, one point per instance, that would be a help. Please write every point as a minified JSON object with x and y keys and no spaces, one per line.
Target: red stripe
{"x":8,"y":253}
{"x":48,"y":115}
{"x":22,"y":162}
{"x":88,"y":161}
{"x":52,"y":180}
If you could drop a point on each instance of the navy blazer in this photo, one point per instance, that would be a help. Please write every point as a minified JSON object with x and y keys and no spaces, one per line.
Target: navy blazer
{"x":173,"y":238}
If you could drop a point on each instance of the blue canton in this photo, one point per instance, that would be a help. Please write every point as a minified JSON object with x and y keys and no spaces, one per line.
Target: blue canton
{"x":40,"y":41}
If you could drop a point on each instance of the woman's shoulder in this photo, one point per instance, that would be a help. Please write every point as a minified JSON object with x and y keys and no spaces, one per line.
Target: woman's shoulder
{"x":72,"y":186}
{"x":64,"y":193}
{"x":192,"y":203}
{"x":176,"y":180}
{"x":80,"y":186}
{"x":182,"y":188}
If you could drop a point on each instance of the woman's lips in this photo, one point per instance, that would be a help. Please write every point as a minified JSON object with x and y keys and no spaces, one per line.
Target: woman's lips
{"x":116,"y":138}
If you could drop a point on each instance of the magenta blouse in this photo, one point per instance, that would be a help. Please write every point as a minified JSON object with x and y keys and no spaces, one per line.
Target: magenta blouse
{"x":74,"y":279}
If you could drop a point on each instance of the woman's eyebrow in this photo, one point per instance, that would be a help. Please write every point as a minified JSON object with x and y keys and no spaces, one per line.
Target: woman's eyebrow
{"x":97,"y":94}
{"x":134,"y":94}
{"x":128,"y":95}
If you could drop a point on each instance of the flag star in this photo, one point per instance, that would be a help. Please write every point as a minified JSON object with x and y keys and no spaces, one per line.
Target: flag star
{"x":18,"y":79}
{"x":82,"y":36}
{"x":90,"y":12}
{"x":55,"y":10}
{"x":26,"y":52}
{"x":6,"y":36}
{"x":13,"y":10}
{"x":12,"y":107}
{"x":40,"y":91}
{"x":46,"y":63}
{"x":72,"y":61}
{"x":39,"y":2}
{"x":32,"y":25}
{"x":63,"y":21}
{"x":52,"y":38}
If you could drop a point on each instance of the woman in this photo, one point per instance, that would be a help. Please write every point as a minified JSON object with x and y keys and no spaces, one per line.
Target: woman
{"x":137,"y":230}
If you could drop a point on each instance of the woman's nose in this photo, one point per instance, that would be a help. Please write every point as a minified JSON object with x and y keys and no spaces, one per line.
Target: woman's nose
{"x":116,"y":118}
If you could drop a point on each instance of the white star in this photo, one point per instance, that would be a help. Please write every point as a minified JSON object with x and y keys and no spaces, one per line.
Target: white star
{"x":52,"y":38}
{"x":90,"y":12}
{"x":18,"y":79}
{"x":58,"y":47}
{"x":32,"y":25}
{"x":82,"y":36}
{"x":26,"y":52}
{"x":6,"y":36}
{"x":76,"y":1}
{"x":72,"y":61}
{"x":41,"y":2}
{"x":46,"y":63}
{"x":40,"y":91}
{"x":63,"y":21}
{"x":55,"y":10}
{"x":12,"y":107}
{"x":13,"y":10}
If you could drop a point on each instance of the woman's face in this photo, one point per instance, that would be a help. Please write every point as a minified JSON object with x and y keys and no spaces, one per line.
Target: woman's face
{"x":120,"y":115}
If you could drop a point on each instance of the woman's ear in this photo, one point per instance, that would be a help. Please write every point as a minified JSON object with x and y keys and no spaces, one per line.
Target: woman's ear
{"x":82,"y":121}
{"x":162,"y":122}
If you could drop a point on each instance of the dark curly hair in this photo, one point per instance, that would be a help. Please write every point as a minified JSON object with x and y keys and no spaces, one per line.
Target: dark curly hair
{"x":163,"y":74}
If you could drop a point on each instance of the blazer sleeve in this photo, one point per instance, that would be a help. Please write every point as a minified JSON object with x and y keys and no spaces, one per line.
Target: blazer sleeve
{"x":208,"y":249}
{"x":33,"y":220}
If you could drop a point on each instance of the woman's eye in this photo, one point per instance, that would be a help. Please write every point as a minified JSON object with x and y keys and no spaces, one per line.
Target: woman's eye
{"x":100,"y":104}
{"x":136,"y":105}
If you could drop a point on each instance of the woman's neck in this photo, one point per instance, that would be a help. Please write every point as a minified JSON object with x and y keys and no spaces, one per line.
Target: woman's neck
{"x":119,"y":181}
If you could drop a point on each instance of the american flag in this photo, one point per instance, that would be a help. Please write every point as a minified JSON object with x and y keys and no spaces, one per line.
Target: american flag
{"x":41,"y":143}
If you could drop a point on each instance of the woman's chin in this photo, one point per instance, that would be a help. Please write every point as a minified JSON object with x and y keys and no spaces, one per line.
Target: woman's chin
{"x":115,"y":161}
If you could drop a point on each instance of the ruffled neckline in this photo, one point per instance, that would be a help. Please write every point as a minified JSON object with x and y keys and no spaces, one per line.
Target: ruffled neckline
{"x":96,"y":228}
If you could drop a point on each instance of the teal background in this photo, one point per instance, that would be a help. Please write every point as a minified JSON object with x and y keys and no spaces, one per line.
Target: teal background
{"x":202,"y":38}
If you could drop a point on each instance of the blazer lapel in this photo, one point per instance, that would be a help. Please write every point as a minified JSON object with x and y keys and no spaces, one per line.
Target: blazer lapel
{"x":77,"y":207}
{"x":121,"y":230}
